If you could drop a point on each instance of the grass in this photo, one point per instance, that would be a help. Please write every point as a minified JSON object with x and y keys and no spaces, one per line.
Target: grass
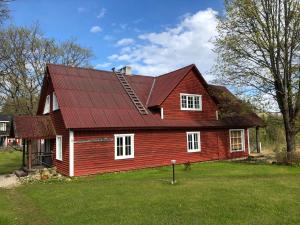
{"x":10,"y":161}
{"x":211,"y":193}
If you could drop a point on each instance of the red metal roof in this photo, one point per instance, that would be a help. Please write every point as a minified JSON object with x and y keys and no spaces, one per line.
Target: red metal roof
{"x":91,"y":98}
{"x":33,"y":127}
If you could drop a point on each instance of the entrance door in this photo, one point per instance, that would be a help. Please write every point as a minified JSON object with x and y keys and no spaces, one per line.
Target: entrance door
{"x":46,"y":153}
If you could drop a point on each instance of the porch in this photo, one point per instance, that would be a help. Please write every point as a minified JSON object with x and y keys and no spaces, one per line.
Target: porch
{"x":38,"y":136}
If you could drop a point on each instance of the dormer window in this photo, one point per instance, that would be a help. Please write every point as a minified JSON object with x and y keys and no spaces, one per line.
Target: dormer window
{"x":191,"y":102}
{"x":47,"y":105}
{"x":55,"y":103}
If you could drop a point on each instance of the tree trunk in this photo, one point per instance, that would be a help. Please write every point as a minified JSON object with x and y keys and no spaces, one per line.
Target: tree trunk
{"x":290,"y":137}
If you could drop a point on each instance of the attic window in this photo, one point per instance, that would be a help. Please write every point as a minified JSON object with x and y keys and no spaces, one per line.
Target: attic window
{"x":47,"y":105}
{"x":55,"y":103}
{"x":191,"y":102}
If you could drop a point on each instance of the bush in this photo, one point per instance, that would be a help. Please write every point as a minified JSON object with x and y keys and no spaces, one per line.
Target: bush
{"x":187,"y":166}
{"x":288,"y":158}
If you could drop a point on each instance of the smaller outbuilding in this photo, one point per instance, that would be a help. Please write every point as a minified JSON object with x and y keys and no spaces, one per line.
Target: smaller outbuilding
{"x":6,"y":132}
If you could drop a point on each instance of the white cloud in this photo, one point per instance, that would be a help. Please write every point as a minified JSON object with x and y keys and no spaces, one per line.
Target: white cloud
{"x":125,"y":42}
{"x":101,"y":13}
{"x":187,"y":42}
{"x":103,"y":65}
{"x":95,"y":29}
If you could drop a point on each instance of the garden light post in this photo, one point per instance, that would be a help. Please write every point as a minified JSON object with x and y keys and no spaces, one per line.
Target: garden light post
{"x":173,"y":165}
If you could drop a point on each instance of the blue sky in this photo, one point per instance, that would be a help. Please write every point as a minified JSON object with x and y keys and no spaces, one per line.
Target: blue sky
{"x":150,"y":35}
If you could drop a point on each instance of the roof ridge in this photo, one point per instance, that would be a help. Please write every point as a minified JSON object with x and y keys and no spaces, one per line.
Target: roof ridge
{"x":96,"y":70}
{"x":107,"y":71}
{"x":185,"y":67}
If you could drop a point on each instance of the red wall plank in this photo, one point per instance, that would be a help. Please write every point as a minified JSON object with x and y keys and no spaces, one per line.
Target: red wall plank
{"x":152,"y":148}
{"x":191,"y":84}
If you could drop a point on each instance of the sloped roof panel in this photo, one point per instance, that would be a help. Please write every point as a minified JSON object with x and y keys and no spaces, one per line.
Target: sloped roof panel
{"x":95,"y":99}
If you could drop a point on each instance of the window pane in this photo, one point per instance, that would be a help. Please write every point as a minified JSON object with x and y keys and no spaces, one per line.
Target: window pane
{"x":59,"y":147}
{"x":236,"y":140}
{"x":183,"y":101}
{"x":2,"y":127}
{"x":119,"y":146}
{"x":127,"y":145}
{"x":190,"y":102}
{"x":196,"y":141}
{"x":190,"y":141}
{"x":197,"y":102}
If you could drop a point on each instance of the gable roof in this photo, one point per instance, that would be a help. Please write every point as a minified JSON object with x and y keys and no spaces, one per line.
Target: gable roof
{"x":166,"y":83}
{"x":90,"y":98}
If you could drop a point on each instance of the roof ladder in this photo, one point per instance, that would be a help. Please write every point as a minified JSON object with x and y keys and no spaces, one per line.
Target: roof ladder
{"x":134,"y":98}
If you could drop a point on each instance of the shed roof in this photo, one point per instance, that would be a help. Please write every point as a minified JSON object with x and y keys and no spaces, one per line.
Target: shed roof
{"x":91,"y":98}
{"x":233,"y":109}
{"x":33,"y":127}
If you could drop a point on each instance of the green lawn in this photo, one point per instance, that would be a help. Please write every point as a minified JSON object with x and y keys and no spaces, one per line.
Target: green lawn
{"x":211,"y":193}
{"x":10,"y":161}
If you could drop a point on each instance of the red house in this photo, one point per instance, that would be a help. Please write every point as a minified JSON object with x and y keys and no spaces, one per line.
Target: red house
{"x":92,"y":121}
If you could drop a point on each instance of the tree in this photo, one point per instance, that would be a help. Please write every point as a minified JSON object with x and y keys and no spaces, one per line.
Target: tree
{"x":258,"y":50}
{"x":23,"y":54}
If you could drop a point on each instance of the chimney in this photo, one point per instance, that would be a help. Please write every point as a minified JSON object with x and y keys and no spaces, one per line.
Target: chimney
{"x":126,"y":70}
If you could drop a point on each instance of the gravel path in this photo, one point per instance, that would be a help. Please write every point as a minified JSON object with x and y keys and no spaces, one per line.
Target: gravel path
{"x":9,"y":181}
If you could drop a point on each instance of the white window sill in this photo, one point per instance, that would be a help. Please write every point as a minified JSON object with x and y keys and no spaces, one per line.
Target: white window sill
{"x":232,"y":151}
{"x":191,"y":151}
{"x":191,"y":109}
{"x":123,"y":157}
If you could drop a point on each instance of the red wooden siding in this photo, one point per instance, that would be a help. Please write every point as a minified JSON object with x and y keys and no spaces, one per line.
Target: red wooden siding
{"x":152,"y":148}
{"x":191,"y":84}
{"x":56,"y":116}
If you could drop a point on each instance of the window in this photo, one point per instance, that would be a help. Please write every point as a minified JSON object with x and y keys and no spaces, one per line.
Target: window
{"x":2,"y":126}
{"x":47,"y":105}
{"x":193,"y":141}
{"x":59,"y":147}
{"x":124,"y":146}
{"x":191,"y":102}
{"x":237,"y":140}
{"x":55,"y":103}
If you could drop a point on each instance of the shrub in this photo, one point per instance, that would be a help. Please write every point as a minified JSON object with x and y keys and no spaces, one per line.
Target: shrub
{"x":288,"y":158}
{"x":187,"y":166}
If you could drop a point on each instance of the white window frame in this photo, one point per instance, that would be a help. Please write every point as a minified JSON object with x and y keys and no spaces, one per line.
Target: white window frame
{"x":199,"y":141}
{"x":47,"y":105}
{"x":123,"y":136}
{"x":187,"y":108}
{"x":4,"y":127}
{"x":243,"y":140}
{"x":54,"y":102}
{"x":59,"y":154}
